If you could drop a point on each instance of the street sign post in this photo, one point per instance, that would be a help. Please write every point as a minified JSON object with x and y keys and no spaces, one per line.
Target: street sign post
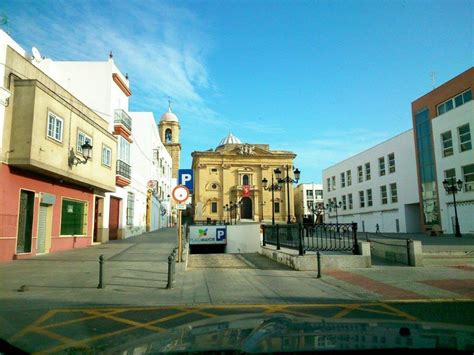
{"x":180,"y":194}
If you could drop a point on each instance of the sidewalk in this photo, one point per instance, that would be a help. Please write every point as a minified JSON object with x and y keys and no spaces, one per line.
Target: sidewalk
{"x":131,"y":265}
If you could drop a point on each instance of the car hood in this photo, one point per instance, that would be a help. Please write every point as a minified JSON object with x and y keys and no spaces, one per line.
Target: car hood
{"x":282,"y":332}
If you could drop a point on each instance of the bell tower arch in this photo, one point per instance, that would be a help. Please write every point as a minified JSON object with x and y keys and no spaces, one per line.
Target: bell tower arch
{"x":169,"y":129}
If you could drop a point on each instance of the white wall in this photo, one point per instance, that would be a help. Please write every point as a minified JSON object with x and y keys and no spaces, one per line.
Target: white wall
{"x":404,"y":176}
{"x":90,"y":82}
{"x":243,"y":238}
{"x":145,"y":166}
{"x":451,"y":120}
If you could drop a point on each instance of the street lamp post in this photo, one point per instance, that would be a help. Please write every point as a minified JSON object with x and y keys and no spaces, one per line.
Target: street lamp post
{"x":273,"y":187}
{"x":227,"y":217}
{"x":336,"y":206}
{"x":234,"y":207}
{"x":454,"y":187}
{"x":287,"y":179}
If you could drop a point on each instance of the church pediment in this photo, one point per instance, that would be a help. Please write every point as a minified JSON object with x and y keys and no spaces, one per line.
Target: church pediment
{"x":247,"y":150}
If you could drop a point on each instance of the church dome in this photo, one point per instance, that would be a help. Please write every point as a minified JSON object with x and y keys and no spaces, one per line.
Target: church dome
{"x":169,"y":116}
{"x":230,"y":139}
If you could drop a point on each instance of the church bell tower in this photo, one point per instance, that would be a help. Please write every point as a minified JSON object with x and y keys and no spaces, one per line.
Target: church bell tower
{"x":169,"y":133}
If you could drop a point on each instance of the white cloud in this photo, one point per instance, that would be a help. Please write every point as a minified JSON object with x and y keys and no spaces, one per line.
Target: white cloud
{"x":163,"y":48}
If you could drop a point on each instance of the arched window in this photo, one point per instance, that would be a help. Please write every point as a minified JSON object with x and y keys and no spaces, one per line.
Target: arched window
{"x":168,"y":136}
{"x":245,"y":180}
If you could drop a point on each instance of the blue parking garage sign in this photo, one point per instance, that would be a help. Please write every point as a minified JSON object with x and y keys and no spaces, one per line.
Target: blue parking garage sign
{"x":185,"y":177}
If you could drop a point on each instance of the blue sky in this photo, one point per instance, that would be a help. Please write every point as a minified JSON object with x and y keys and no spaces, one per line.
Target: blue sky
{"x":325,"y":79}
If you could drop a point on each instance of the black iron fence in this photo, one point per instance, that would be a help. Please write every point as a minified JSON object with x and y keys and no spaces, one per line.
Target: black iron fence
{"x":318,"y":237}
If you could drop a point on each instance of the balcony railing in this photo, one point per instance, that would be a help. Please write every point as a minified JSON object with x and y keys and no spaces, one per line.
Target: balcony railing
{"x":123,"y":169}
{"x":121,"y":117}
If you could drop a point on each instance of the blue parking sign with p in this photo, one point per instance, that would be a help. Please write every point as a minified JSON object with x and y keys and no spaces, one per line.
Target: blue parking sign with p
{"x":221,"y":234}
{"x":185,"y":177}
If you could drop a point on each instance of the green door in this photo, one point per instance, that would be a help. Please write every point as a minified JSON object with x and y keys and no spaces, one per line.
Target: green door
{"x":25,"y":221}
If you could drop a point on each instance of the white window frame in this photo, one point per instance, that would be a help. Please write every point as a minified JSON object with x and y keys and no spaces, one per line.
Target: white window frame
{"x":453,"y":101}
{"x":333,"y":183}
{"x":369,"y":198}
{"x":344,"y":202}
{"x":361,"y":199}
{"x":82,"y":137}
{"x":106,"y":154}
{"x":383,"y":194}
{"x":468,"y":186}
{"x":444,"y":147}
{"x":468,"y":133}
{"x":360,"y":173}
{"x":391,"y":167}
{"x":382,"y":166}
{"x":123,"y":150}
{"x":349,"y":177}
{"x":394,"y":196}
{"x":368,"y":174}
{"x":54,"y":128}
{"x":350,"y":201}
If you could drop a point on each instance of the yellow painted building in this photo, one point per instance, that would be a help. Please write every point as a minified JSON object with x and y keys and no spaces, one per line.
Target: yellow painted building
{"x":233,"y":173}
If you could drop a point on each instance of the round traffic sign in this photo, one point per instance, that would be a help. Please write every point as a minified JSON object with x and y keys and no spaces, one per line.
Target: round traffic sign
{"x":180,"y":193}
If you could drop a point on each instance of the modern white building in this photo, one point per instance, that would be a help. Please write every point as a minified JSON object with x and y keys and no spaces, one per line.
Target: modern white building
{"x":444,"y":124}
{"x":376,"y":187}
{"x":309,"y":203}
{"x":106,"y":90}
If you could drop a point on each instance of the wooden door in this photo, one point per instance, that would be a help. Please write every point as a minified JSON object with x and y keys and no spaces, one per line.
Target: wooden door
{"x":114,"y":218}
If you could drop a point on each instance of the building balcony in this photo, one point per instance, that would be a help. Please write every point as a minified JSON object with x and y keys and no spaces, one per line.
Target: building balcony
{"x":124,"y":173}
{"x":123,"y":124}
{"x":43,"y":133}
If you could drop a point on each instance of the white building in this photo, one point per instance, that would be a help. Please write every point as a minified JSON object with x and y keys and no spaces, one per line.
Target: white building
{"x":309,"y":202}
{"x":151,"y":172}
{"x":446,"y":117}
{"x":106,"y":90}
{"x":376,"y":187}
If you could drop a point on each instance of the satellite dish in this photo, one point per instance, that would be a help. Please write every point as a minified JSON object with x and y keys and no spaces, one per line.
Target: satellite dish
{"x":36,"y":54}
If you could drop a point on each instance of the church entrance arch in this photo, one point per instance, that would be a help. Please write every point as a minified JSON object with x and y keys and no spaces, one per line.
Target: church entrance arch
{"x":246,"y":208}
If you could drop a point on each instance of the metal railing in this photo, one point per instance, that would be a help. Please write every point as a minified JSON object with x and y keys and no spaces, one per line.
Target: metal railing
{"x":123,"y":169}
{"x":318,"y":237}
{"x":121,"y":117}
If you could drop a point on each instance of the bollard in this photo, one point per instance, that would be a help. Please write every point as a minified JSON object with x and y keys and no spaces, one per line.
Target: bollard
{"x":301,"y":238}
{"x":318,"y":256}
{"x":170,"y":274}
{"x":174,"y":253}
{"x":101,"y":272}
{"x":408,"y":252}
{"x":278,"y":237}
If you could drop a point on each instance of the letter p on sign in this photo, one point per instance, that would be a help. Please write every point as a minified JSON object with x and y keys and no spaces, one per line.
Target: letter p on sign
{"x":185,"y":177}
